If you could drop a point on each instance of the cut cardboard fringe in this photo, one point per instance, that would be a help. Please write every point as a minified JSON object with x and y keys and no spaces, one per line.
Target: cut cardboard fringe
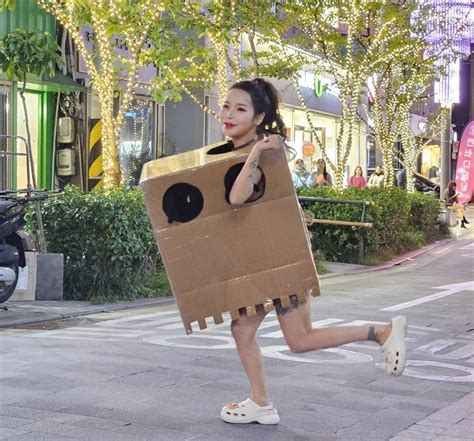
{"x":235,"y":313}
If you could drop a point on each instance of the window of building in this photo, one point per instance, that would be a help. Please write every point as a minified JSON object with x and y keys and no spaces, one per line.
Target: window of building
{"x":138,"y":139}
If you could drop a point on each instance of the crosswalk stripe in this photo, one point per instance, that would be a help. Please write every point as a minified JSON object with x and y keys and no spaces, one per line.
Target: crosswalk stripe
{"x":319,"y":323}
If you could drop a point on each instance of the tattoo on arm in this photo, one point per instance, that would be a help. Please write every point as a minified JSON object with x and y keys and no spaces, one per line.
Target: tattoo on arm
{"x":253,"y":167}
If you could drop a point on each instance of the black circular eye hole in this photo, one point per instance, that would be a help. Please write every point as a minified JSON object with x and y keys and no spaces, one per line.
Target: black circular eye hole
{"x":182,"y":202}
{"x":220,"y":149}
{"x":231,"y":176}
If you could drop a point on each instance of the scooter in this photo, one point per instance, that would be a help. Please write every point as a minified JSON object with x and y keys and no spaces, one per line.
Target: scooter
{"x":14,"y":240}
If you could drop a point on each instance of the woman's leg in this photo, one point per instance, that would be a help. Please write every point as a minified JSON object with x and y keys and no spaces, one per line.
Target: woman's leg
{"x":459,"y":208}
{"x":301,"y":337}
{"x":244,"y":331}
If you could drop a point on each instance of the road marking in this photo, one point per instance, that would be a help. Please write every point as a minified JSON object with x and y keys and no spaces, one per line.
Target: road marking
{"x":449,"y":290}
{"x":318,"y":324}
{"x":466,"y":351}
{"x":417,"y":373}
{"x":467,"y":247}
{"x":90,"y":333}
{"x":348,"y":357}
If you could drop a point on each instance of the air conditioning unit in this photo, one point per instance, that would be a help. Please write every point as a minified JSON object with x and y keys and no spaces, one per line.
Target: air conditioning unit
{"x":65,"y":159}
{"x":65,"y":130}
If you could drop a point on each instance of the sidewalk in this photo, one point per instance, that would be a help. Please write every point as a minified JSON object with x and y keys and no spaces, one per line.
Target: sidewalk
{"x":452,"y":423}
{"x":21,"y":313}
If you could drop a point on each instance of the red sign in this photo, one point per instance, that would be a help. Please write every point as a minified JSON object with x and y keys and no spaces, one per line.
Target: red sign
{"x":465,"y":164}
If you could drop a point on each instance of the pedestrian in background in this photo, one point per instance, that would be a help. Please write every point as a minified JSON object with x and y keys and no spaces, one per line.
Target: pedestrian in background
{"x":451,"y":201}
{"x":376,"y":178}
{"x":320,"y":177}
{"x":357,"y":180}
{"x":301,"y":176}
{"x":250,"y":111}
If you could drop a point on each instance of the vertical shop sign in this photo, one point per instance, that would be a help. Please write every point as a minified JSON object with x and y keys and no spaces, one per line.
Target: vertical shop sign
{"x":465,"y":164}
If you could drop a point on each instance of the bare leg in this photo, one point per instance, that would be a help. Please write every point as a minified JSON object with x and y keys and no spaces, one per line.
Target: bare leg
{"x":301,"y":337}
{"x":244,"y":332}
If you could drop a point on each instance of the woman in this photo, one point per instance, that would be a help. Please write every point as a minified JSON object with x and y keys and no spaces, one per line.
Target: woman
{"x":320,"y":177}
{"x":250,"y":110}
{"x":376,"y":179}
{"x":300,"y":175}
{"x":357,"y":180}
{"x":451,"y":201}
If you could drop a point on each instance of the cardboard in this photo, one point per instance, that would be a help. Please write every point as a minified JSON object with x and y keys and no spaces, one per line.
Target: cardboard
{"x":221,"y":257}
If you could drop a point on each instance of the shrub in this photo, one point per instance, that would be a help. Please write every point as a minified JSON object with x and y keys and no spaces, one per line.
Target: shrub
{"x":107,"y":242}
{"x":401,"y":221}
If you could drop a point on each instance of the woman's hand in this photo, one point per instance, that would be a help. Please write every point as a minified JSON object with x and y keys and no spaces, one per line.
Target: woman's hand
{"x":272,"y":142}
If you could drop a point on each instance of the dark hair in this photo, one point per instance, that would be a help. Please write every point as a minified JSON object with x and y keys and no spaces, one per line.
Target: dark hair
{"x":451,"y":187}
{"x":322,"y":161}
{"x":265,"y":99}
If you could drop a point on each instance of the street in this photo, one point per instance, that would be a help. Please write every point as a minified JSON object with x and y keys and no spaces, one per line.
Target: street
{"x":135,"y":375}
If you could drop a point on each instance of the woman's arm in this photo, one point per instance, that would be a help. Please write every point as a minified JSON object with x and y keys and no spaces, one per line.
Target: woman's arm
{"x":249,"y":175}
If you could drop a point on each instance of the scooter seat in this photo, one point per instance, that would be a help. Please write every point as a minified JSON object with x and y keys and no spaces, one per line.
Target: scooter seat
{"x":5,"y":206}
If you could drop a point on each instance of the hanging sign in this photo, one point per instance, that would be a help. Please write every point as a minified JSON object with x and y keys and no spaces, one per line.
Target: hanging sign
{"x":308,"y":149}
{"x":465,"y":164}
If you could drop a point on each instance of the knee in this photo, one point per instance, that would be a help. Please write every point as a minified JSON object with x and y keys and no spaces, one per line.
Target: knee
{"x":297,"y":345}
{"x":241,"y":331}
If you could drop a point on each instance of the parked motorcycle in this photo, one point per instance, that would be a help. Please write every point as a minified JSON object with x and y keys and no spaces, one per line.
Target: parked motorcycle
{"x":14,"y":240}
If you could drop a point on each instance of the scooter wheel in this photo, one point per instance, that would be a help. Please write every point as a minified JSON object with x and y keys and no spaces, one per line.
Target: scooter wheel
{"x":6,"y":291}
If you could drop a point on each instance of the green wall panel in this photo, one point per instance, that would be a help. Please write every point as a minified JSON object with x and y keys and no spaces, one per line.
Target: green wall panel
{"x":27,"y":15}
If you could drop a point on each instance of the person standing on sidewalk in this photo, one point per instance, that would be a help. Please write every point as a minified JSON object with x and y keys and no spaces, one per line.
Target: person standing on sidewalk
{"x":376,"y":178}
{"x":250,"y":112}
{"x":451,"y":201}
{"x":357,"y":180}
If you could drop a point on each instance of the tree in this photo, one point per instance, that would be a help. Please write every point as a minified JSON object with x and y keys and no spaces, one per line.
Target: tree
{"x":199,"y":47}
{"x":348,"y":39}
{"x":403,"y":81}
{"x":113,"y":22}
{"x":25,"y":53}
{"x":10,"y":4}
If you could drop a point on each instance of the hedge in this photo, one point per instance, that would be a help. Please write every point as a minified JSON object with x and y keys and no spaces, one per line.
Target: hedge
{"x":108,"y":244}
{"x":401,"y":221}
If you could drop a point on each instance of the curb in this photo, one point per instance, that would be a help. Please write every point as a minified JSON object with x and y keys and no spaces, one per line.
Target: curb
{"x":394,"y":262}
{"x":88,"y":310}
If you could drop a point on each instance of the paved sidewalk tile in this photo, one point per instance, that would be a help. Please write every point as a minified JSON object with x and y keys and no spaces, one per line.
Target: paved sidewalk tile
{"x":452,"y":423}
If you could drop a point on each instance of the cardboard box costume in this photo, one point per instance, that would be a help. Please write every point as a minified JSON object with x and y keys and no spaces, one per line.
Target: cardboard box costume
{"x":221,"y":257}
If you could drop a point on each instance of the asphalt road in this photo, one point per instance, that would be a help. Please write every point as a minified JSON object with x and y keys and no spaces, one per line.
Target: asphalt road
{"x":134,"y":375}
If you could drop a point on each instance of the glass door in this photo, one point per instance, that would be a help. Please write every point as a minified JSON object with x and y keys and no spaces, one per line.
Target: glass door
{"x":33,"y":104}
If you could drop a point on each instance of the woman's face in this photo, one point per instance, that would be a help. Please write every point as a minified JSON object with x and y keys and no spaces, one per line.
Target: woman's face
{"x":358,"y":171}
{"x":299,"y":164}
{"x":238,"y":117}
{"x":321,"y":165}
{"x":378,"y":169}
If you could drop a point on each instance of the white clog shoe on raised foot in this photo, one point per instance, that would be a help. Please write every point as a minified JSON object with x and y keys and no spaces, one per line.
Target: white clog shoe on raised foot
{"x":394,"y":349}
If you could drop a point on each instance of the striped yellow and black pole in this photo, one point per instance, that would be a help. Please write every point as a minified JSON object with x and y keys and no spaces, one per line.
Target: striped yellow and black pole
{"x":96,"y":171}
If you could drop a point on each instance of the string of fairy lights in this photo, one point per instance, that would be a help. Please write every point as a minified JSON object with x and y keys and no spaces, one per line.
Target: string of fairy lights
{"x":348,"y":77}
{"x":104,"y":80}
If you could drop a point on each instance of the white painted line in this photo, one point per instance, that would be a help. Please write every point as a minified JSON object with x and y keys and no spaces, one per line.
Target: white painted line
{"x":450,"y":289}
{"x":319,"y":323}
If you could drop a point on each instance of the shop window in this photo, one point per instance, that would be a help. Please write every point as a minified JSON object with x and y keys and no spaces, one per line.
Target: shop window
{"x":138,"y":139}
{"x":371,"y":153}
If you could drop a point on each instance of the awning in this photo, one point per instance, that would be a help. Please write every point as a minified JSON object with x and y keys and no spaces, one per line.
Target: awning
{"x":58,"y":83}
